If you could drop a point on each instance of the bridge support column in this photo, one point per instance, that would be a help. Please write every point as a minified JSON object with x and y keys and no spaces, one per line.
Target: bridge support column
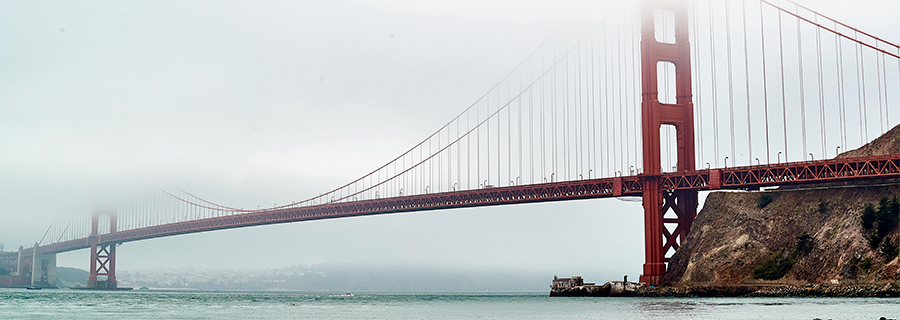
{"x":659,"y":203}
{"x":19,"y":262}
{"x":43,"y":268}
{"x":103,"y":256}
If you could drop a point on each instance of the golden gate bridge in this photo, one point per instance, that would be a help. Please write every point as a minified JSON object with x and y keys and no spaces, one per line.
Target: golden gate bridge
{"x":662,"y":101}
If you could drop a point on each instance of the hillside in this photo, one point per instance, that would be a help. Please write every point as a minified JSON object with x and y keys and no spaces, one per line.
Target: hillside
{"x":71,"y":277}
{"x":888,"y":143}
{"x":799,"y":237}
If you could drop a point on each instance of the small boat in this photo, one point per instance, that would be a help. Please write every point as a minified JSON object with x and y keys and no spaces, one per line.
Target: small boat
{"x":33,"y":288}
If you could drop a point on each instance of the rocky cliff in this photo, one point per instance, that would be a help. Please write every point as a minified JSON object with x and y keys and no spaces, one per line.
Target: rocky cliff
{"x":812,"y":235}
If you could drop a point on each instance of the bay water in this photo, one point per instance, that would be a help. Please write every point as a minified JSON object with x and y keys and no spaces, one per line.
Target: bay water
{"x":152,"y":304}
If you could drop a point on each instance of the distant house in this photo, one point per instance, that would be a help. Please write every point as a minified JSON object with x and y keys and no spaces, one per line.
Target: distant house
{"x":565,"y":283}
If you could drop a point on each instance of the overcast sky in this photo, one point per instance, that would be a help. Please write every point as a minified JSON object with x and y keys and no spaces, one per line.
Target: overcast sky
{"x":257,"y":102}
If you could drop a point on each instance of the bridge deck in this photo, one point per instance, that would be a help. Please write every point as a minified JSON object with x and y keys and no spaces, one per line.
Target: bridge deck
{"x":747,"y":177}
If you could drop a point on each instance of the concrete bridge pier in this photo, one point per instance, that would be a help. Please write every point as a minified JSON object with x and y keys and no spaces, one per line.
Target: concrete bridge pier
{"x":18,"y":263}
{"x":43,"y":268}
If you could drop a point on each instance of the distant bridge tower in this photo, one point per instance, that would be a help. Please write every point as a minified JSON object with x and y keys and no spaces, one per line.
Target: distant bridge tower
{"x":654,"y":114}
{"x":103,"y":255}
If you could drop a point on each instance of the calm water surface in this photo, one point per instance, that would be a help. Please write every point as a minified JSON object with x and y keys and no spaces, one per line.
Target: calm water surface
{"x":66,"y":304}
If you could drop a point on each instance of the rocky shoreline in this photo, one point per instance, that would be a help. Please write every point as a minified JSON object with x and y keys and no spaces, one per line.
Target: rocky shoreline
{"x":619,"y":289}
{"x":887,"y":290}
{"x":609,"y":289}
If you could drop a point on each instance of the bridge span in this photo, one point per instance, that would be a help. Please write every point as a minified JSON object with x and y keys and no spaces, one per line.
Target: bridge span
{"x":643,"y":93}
{"x":737,"y":178}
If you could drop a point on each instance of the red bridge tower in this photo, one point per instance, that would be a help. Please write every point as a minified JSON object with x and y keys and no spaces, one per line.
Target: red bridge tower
{"x":103,"y":255}
{"x":657,"y":203}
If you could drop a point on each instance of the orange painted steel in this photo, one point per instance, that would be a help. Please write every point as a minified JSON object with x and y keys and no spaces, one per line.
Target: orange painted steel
{"x":654,"y":114}
{"x":103,"y":254}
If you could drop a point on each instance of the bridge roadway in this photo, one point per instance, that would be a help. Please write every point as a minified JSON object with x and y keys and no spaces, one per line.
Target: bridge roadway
{"x":746,"y":177}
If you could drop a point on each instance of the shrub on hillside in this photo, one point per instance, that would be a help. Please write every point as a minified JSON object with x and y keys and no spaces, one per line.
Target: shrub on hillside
{"x":823,"y":207}
{"x":868,"y":216}
{"x":889,"y":250}
{"x":804,"y":245}
{"x":874,"y":239}
{"x":887,"y":216}
{"x":764,"y":200}
{"x":866,"y":265}
{"x":774,"y":268}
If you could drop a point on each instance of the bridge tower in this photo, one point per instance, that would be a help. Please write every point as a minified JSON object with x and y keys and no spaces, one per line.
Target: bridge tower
{"x":103,"y":255}
{"x":658,"y":240}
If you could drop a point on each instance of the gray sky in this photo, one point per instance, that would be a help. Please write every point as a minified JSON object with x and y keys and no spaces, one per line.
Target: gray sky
{"x":253,"y":103}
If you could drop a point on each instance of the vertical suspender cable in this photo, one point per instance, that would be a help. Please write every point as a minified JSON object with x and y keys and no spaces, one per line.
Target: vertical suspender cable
{"x":519,"y":126}
{"x":592,"y":112}
{"x":636,"y":55}
{"x":783,"y":92}
{"x":887,"y":114}
{"x":880,"y":102}
{"x":622,"y":97}
{"x":531,"y":121}
{"x":606,"y":97}
{"x":747,"y":82}
{"x":802,"y":89}
{"x":762,"y":32}
{"x":715,"y":93}
{"x":635,"y":107}
{"x":698,"y":85}
{"x":499,"y":146}
{"x":822,"y":130}
{"x":605,"y":85}
{"x":842,"y":116}
{"x":565,"y":113}
{"x":543,"y":137}
{"x":578,"y":104}
{"x":860,"y":91}
{"x":623,"y":116}
{"x":552,"y":118}
{"x":730,"y":77}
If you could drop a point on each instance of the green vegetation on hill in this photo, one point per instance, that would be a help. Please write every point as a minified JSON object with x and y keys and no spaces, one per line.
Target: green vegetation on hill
{"x":764,"y":200}
{"x":879,"y":223}
{"x":779,"y":264}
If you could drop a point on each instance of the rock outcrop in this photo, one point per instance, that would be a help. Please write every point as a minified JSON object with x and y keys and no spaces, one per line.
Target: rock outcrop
{"x":609,"y":289}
